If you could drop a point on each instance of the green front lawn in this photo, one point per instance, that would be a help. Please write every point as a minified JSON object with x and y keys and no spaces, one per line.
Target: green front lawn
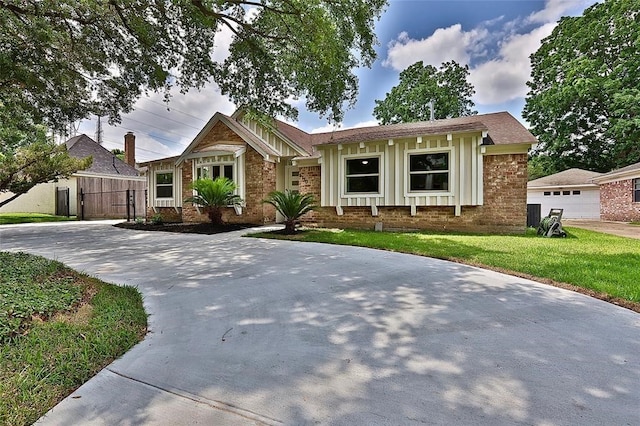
{"x":586,"y":259}
{"x":12,"y":218}
{"x":58,"y":328}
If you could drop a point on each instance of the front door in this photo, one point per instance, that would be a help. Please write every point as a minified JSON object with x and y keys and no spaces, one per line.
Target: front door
{"x":292,"y":182}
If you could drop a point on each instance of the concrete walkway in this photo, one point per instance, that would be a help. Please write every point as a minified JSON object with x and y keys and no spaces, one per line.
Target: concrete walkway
{"x":620,"y":229}
{"x":249,"y":331}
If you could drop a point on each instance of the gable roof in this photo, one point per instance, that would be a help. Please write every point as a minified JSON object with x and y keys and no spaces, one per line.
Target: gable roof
{"x":104,"y":161}
{"x":571,"y":177}
{"x":245,"y":134}
{"x":632,"y":170}
{"x":502,"y":129}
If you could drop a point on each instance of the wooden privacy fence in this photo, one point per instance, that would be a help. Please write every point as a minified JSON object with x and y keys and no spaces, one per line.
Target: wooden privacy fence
{"x":106,"y":198}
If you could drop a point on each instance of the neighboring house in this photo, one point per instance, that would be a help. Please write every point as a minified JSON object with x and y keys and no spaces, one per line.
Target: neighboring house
{"x":570,"y":190}
{"x":620,"y":194}
{"x":102,"y":186}
{"x":467,"y":173}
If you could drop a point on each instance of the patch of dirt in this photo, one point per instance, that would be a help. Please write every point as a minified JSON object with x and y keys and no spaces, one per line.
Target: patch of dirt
{"x":79,"y":317}
{"x":185,"y":228}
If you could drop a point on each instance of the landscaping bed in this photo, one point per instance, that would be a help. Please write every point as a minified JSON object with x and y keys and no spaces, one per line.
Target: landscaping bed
{"x":185,"y":228}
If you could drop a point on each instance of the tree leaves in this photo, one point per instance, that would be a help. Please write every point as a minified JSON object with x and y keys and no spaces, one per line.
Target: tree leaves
{"x":66,"y":59}
{"x":419,"y":84}
{"x":583,"y":98}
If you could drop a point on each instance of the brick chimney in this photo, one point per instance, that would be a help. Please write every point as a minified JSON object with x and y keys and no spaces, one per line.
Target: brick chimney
{"x":130,"y":149}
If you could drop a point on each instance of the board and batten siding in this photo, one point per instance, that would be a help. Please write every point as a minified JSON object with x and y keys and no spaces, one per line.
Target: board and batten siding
{"x":465,"y":172}
{"x":268,"y":137}
{"x":165,"y":167}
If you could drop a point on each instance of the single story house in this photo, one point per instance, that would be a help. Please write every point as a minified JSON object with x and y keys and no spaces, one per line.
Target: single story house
{"x":99,"y":190}
{"x":571,"y":190}
{"x":620,"y":194}
{"x":466,"y":173}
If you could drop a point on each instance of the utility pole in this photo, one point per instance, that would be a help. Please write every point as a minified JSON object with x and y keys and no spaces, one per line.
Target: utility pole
{"x":99,"y":131}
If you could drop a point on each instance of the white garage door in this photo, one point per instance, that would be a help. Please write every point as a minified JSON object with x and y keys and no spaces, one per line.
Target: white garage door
{"x":577,"y":203}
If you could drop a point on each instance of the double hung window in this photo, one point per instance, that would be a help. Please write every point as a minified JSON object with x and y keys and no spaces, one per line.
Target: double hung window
{"x":429,"y":172}
{"x":164,"y":185}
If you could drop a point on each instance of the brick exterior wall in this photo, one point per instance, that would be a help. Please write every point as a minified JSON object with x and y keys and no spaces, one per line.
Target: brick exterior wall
{"x":168,"y":214}
{"x":260,"y":178}
{"x":616,"y":202}
{"x":504,"y":209}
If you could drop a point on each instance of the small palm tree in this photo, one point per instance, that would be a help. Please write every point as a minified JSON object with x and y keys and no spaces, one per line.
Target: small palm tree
{"x":213,"y":196}
{"x":291,"y":205}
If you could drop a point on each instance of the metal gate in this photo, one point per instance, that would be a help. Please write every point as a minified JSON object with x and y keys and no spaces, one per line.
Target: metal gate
{"x":62,"y":201}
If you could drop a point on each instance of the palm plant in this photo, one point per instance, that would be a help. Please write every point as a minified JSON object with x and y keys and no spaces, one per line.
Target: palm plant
{"x":291,"y":205}
{"x":213,"y":196}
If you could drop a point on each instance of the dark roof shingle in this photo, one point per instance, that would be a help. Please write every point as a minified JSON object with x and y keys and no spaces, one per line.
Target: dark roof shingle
{"x":565,"y":178}
{"x":104,"y":161}
{"x":502,"y":129}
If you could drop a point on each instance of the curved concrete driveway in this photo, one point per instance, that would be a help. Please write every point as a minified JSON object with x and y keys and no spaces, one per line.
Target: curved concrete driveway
{"x":249,"y":331}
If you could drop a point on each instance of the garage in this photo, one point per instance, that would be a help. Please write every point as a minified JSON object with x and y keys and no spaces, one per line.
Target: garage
{"x":570,"y":190}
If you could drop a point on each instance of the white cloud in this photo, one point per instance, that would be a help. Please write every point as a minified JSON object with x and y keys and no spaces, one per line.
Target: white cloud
{"x":161,"y":132}
{"x":445,"y":44}
{"x":504,"y":78}
{"x":555,"y":9}
{"x":501,"y":76}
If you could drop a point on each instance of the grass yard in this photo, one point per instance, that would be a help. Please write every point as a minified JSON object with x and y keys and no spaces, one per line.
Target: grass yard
{"x":13,"y":218}
{"x":589,"y":260}
{"x":58,"y":328}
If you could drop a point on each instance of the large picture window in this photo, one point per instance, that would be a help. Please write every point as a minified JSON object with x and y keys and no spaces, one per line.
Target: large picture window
{"x":429,"y":172}
{"x":363,"y":175}
{"x":636,"y":190}
{"x":164,"y":185}
{"x":215,"y":171}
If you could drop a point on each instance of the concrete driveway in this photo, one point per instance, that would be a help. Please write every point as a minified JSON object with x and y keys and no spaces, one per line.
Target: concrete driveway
{"x":249,"y":331}
{"x":621,"y":229}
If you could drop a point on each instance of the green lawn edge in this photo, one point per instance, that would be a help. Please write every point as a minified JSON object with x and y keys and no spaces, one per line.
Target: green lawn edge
{"x":599,"y":265}
{"x":16,"y":218}
{"x":56,"y":352}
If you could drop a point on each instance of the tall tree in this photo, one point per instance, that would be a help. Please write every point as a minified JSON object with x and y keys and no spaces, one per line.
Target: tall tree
{"x":419,"y":84}
{"x":62,"y":60}
{"x":29,"y":157}
{"x":584,"y":97}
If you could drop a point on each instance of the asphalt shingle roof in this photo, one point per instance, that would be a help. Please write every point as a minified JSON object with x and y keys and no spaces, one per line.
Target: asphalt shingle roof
{"x":104,"y":161}
{"x":502,"y":129}
{"x":567,"y":177}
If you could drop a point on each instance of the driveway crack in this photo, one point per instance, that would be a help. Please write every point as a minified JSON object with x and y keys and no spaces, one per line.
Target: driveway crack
{"x":215,"y":404}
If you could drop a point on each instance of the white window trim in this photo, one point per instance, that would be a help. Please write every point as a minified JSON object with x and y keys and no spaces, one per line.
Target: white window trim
{"x":221,"y":163}
{"x":432,"y":193}
{"x":635,"y":186}
{"x":342,"y":175}
{"x":173,"y":184}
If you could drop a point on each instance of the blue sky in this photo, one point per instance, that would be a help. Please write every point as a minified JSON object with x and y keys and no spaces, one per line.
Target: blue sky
{"x":495,"y":38}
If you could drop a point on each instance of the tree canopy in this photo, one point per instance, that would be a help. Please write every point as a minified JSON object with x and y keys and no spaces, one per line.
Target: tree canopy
{"x":584,"y":97}
{"x":419,"y":84}
{"x":30,"y":158}
{"x":62,"y":60}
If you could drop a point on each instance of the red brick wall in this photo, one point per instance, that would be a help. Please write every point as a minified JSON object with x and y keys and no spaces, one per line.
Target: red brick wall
{"x":260,"y":178}
{"x":168,"y":214}
{"x":504,"y":209}
{"x":310,"y":184}
{"x":616,"y":202}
